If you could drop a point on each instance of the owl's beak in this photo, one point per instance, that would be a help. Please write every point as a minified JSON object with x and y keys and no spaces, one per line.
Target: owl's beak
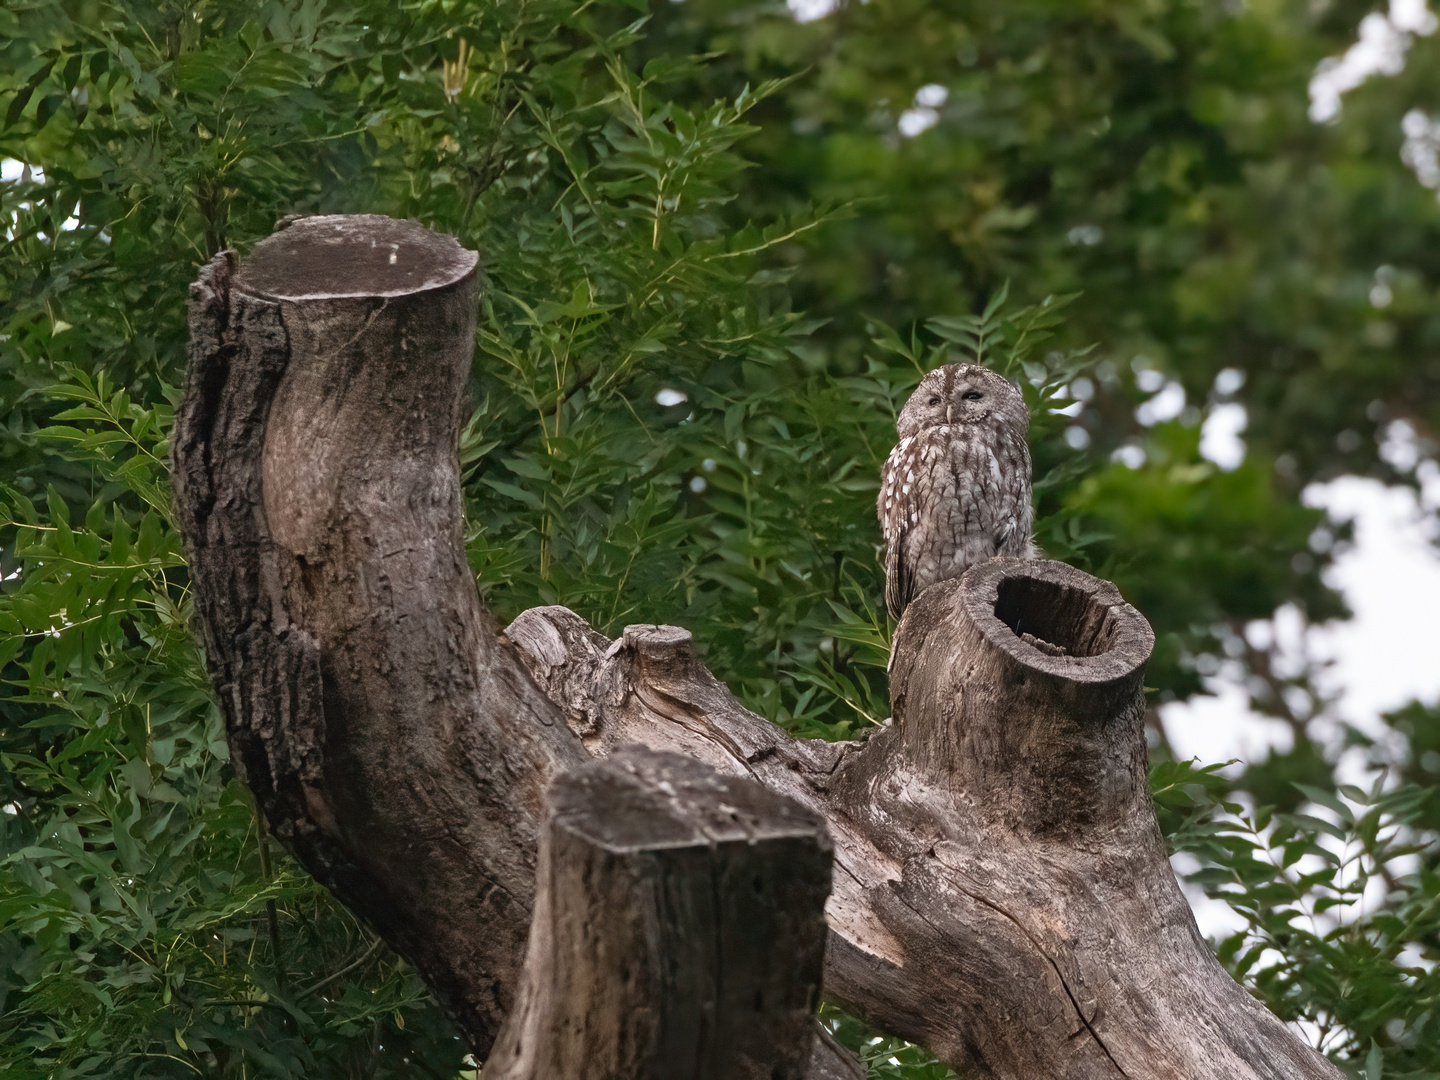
{"x":949,"y":409}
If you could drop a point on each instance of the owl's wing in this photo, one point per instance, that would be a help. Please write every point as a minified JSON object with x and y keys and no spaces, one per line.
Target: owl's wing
{"x":898,"y":583}
{"x":1014,"y":501}
{"x":898,"y":507}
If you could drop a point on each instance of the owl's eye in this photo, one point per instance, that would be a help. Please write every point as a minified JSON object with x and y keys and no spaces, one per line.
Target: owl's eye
{"x":934,"y":401}
{"x":972,"y":395}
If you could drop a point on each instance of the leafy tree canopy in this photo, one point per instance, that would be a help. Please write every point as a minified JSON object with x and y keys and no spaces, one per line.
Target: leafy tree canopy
{"x":720,"y":247}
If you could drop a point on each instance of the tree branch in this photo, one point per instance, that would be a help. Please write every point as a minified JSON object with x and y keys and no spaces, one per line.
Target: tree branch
{"x":1001,"y":892}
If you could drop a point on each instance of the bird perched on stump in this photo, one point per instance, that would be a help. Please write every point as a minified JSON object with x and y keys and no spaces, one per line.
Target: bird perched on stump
{"x":956,"y":489}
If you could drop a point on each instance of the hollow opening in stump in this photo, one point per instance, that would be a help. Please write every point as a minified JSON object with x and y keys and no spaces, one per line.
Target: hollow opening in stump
{"x":1056,"y":614}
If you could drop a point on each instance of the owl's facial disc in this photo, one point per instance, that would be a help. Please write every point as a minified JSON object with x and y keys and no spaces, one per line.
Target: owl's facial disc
{"x":959,"y":394}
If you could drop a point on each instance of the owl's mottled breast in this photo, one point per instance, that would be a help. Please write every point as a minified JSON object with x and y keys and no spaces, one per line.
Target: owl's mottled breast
{"x":956,"y":489}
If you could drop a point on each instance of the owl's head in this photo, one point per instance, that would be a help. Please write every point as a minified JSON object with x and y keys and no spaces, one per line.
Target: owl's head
{"x":963,"y":394}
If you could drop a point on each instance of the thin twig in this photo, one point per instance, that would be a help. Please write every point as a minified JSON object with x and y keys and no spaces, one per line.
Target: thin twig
{"x":272,"y":917}
{"x":343,"y":971}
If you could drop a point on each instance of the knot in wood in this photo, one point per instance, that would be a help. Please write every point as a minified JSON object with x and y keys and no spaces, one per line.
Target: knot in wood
{"x":650,"y":642}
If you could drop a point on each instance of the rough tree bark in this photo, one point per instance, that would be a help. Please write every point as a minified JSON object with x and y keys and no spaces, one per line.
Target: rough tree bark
{"x":1001,"y":891}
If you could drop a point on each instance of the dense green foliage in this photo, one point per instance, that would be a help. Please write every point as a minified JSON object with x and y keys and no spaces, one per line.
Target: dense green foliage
{"x":713,"y":200}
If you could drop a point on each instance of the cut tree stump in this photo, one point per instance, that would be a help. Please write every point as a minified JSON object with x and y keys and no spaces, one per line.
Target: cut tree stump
{"x":679,"y":929}
{"x":1001,"y":890}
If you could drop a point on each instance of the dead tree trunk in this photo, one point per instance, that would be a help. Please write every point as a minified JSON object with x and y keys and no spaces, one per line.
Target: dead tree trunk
{"x":679,"y":929}
{"x":1001,"y":891}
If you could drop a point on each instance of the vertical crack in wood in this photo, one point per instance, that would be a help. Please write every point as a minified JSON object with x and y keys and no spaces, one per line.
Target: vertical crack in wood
{"x":1085,"y":1024}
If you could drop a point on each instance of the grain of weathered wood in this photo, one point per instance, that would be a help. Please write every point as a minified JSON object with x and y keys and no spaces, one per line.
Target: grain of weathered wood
{"x":1000,"y":891}
{"x":678,"y":933}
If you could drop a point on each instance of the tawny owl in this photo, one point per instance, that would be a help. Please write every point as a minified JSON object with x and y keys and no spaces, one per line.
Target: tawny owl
{"x":956,"y":490}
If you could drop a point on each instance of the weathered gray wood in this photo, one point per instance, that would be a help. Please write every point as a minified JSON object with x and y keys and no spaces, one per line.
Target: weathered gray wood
{"x":1000,"y":890}
{"x":1013,"y":792}
{"x":831,"y":1061}
{"x":678,"y":933}
{"x":317,"y":485}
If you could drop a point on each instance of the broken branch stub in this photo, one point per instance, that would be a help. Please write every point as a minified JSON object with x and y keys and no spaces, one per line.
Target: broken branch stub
{"x":1023,"y":689}
{"x":317,"y":486}
{"x":678,"y":933}
{"x":1034,"y":886}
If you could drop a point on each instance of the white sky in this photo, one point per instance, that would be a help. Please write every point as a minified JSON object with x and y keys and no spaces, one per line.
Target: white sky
{"x":1386,"y":656}
{"x":1380,"y":50}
